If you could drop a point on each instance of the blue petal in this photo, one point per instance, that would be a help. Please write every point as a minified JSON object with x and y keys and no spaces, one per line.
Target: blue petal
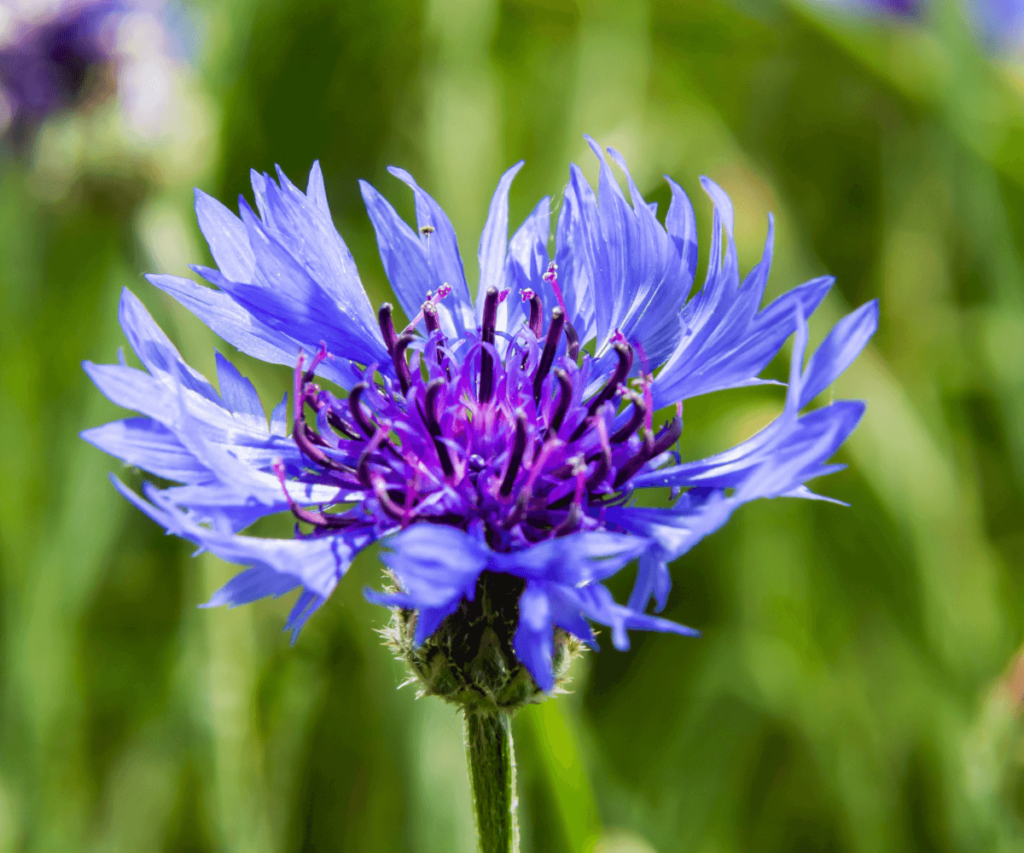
{"x":534,"y":640}
{"x":574,"y":268}
{"x":305,"y":606}
{"x":578,"y":558}
{"x":429,"y":619}
{"x":315,"y":190}
{"x":526,"y":263}
{"x":229,"y":320}
{"x":155,"y":349}
{"x":436,"y":565}
{"x":720,"y":350}
{"x":317,"y":564}
{"x":494,"y":238}
{"x":149,"y":445}
{"x":225,"y":234}
{"x":681,"y":225}
{"x":314,"y":242}
{"x":294,"y":303}
{"x":592,"y":251}
{"x":441,"y":252}
{"x":238,"y":394}
{"x":652,"y":580}
{"x":597,"y":604}
{"x":844,"y":343}
{"x":401,"y":254}
{"x":252,"y":585}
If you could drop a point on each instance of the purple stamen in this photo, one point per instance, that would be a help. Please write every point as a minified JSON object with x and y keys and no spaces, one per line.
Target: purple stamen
{"x":636,"y":419}
{"x":516,"y":456}
{"x":433,"y":425}
{"x":547,"y":357}
{"x":430,"y":317}
{"x":553,"y":496}
{"x":317,"y":519}
{"x":387,"y":327}
{"x":434,"y":298}
{"x":321,"y":354}
{"x":667,"y":437}
{"x":380,"y":491}
{"x":651,"y":448}
{"x":572,"y":341}
{"x":401,"y":365}
{"x":365,"y":424}
{"x":536,"y":322}
{"x":487,"y":337}
{"x":363,"y":465}
{"x":625,"y":353}
{"x":551,"y":277}
{"x":564,"y":399}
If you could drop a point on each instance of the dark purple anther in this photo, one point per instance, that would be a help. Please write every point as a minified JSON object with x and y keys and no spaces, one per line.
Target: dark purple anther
{"x":317,"y":519}
{"x":358,"y":415}
{"x":363,"y":465}
{"x":387,"y":327}
{"x":334,"y":419}
{"x":515,"y":458}
{"x":487,"y":337}
{"x":430,"y":317}
{"x":665,"y":439}
{"x":564,"y":399}
{"x":547,"y":357}
{"x":635,"y":462}
{"x":536,"y":322}
{"x":635,"y":421}
{"x":625,"y":354}
{"x":304,"y":438}
{"x":380,"y":491}
{"x":433,"y":425}
{"x":401,"y":365}
{"x":572,"y":341}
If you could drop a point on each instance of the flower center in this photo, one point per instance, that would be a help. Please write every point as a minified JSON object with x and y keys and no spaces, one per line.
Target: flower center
{"x":517,"y":435}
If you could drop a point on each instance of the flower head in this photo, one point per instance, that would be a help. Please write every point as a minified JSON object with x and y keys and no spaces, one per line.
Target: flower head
{"x":496,"y":447}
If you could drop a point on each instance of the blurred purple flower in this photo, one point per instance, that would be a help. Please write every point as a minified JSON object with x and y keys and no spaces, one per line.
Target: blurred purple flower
{"x":47,"y":60}
{"x":1000,"y":23}
{"x":49,"y":56}
{"x":908,"y":8}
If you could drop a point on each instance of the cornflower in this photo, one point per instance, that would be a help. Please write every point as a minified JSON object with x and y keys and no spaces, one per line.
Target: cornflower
{"x":496,"y":447}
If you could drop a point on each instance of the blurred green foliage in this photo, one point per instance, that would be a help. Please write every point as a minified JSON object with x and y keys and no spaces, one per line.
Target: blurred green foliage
{"x":857,"y":687}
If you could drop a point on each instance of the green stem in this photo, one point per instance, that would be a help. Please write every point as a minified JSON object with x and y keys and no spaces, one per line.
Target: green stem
{"x":492,"y":776}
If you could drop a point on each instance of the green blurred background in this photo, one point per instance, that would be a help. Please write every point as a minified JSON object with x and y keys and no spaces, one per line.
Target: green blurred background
{"x":857,"y":687}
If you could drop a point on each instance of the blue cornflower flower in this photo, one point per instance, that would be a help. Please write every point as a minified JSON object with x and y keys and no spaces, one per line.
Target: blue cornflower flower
{"x":496,"y":447}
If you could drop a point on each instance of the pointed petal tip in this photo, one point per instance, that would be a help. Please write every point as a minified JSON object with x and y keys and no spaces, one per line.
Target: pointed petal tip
{"x":404,"y":176}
